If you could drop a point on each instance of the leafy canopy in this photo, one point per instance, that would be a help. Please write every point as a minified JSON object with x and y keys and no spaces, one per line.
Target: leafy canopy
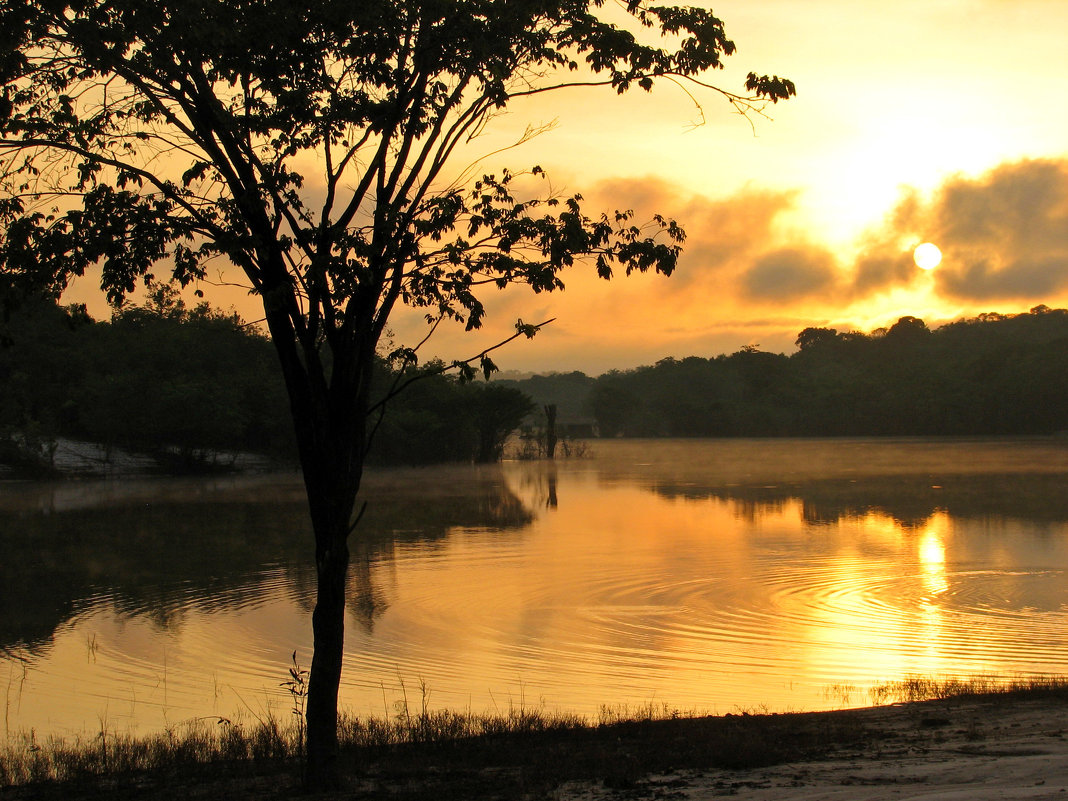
{"x":307,"y":143}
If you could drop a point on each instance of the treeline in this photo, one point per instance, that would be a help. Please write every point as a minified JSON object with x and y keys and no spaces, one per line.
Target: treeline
{"x":436,"y":418}
{"x":181,"y":384}
{"x":992,"y":374}
{"x":192,"y":386}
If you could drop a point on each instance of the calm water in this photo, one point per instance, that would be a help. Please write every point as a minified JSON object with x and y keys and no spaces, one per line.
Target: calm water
{"x":708,"y":575}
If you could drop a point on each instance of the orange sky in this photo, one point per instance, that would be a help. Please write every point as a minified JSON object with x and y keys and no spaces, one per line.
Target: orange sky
{"x":939,"y":120}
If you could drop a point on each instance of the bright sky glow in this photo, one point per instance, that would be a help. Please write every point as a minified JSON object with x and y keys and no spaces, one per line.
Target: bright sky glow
{"x":923,"y":120}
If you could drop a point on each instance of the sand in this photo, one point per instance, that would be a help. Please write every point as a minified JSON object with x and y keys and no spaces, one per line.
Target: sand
{"x":947,"y":751}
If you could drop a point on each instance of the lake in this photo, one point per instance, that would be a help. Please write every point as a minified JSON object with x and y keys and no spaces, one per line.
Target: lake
{"x":707,"y":575}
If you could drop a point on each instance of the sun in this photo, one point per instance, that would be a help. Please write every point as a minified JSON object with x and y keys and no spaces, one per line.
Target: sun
{"x":927,"y":256}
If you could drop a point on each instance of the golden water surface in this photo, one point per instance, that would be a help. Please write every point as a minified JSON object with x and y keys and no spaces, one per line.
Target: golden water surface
{"x":705,"y":575}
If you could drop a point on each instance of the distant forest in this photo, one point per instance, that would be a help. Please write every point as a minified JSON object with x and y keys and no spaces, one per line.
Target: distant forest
{"x":992,"y":374}
{"x":191,"y":387}
{"x":190,"y":384}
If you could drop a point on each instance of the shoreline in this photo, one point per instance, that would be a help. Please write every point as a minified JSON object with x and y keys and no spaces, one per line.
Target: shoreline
{"x":1008,"y":745}
{"x":976,"y":748}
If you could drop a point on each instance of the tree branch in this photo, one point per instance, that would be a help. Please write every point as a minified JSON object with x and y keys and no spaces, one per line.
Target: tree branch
{"x":522,"y":330}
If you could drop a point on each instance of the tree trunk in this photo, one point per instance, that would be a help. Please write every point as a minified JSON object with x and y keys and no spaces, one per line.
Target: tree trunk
{"x":550,"y":430}
{"x":333,"y":470}
{"x":329,"y":409}
{"x":328,"y":630}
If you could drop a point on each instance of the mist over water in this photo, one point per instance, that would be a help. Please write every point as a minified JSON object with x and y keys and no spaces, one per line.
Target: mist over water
{"x":708,"y":575}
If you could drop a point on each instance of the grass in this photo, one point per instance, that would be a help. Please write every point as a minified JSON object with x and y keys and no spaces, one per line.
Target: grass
{"x":923,"y":688}
{"x":441,"y":755}
{"x":26,"y":758}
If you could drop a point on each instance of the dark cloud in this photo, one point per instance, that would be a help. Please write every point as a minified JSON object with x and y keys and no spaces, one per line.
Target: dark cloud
{"x":1003,"y":235}
{"x":1023,"y":205}
{"x":877,"y":270}
{"x":984,"y":280}
{"x":790,"y":273}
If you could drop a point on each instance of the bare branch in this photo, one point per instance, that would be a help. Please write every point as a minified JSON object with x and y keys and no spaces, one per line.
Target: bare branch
{"x":522,"y":331}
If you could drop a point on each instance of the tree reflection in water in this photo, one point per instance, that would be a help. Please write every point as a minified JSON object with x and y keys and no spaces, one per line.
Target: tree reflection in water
{"x":159,"y":548}
{"x":703,"y":573}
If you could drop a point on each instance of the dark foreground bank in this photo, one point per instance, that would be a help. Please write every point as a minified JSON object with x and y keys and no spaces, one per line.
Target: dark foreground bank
{"x":999,"y":743}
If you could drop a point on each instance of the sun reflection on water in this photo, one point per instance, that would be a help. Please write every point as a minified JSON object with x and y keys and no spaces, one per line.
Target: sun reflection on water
{"x":931,"y":551}
{"x":632,"y":586}
{"x":932,"y":554}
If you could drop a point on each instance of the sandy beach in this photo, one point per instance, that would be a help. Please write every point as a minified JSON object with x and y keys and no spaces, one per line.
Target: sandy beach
{"x":958,"y":750}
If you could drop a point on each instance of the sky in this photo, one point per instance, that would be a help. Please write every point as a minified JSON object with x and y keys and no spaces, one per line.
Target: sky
{"x":921,"y":120}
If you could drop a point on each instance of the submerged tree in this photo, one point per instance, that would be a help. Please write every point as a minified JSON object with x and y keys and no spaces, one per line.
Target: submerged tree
{"x":308,"y":143}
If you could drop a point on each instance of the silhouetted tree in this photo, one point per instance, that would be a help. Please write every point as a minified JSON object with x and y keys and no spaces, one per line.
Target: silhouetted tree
{"x":812,"y":338}
{"x":428,"y":423}
{"x":550,"y":430}
{"x":907,"y":330}
{"x":307,"y":143}
{"x":40,"y":370}
{"x":440,"y":419}
{"x":181,"y":384}
{"x":498,"y":411}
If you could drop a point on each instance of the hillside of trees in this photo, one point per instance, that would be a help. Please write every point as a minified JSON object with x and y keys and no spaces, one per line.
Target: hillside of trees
{"x":192,"y":387}
{"x":992,"y":374}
